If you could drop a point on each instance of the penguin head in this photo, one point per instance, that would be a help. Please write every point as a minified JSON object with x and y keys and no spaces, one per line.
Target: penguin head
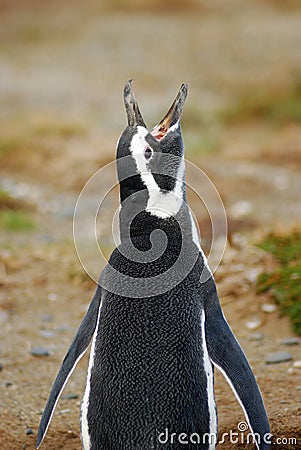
{"x":151,"y":163}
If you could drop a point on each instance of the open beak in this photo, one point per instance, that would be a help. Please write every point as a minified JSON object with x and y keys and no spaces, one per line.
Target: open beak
{"x":133,"y":113}
{"x":173,"y":115}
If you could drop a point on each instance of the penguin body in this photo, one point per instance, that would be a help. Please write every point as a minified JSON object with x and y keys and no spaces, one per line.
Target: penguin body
{"x":155,"y":321}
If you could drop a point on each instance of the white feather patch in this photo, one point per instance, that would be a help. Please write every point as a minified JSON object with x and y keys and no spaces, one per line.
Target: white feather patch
{"x":233,"y":388}
{"x":196,"y":240}
{"x":85,"y":402}
{"x":210,"y":388}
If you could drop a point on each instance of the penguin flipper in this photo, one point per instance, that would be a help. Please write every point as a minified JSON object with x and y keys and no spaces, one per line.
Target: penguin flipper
{"x":226,"y":354}
{"x":76,"y":350}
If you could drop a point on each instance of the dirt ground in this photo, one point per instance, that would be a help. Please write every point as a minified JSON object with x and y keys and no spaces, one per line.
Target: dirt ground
{"x":63,"y":68}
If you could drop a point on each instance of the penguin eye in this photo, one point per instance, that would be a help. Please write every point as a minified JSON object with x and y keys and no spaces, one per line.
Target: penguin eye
{"x":148,"y":152}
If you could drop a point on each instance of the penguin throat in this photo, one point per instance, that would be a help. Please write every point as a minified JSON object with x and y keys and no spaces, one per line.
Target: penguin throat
{"x":163,"y":204}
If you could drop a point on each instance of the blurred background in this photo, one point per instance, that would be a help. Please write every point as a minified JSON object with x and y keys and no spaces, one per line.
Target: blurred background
{"x":63,"y":66}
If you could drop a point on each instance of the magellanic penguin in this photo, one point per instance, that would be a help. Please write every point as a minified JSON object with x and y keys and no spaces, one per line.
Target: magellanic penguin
{"x":155,"y":321}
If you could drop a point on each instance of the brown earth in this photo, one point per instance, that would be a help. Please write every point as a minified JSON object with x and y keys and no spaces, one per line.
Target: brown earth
{"x":62,"y":72}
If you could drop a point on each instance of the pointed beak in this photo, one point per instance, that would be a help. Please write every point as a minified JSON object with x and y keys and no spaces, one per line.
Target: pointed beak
{"x":173,"y":115}
{"x":133,"y":113}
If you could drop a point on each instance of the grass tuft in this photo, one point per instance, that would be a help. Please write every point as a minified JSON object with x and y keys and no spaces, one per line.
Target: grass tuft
{"x":64,"y":130}
{"x":280,"y":106}
{"x":284,"y":283}
{"x":9,"y":202}
{"x":16,"y":221}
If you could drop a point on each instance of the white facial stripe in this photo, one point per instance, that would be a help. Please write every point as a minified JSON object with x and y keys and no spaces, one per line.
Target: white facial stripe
{"x":166,"y":204}
{"x":137,"y":146}
{"x":160,"y":204}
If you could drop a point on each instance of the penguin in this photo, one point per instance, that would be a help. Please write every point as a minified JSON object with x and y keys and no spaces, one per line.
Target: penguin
{"x":155,"y":321}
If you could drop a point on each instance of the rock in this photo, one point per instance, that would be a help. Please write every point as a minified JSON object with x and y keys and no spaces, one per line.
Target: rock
{"x":1,"y":366}
{"x":4,"y":316}
{"x":255,"y":337}
{"x":47,"y":333}
{"x":29,"y":431}
{"x":278,"y":357}
{"x":252,"y":274}
{"x":8,"y":384}
{"x":253,"y":324}
{"x":47,"y":239}
{"x":64,"y":411}
{"x":268,"y":307}
{"x":242,"y":208}
{"x":52,"y":297}
{"x":47,"y":318}
{"x":70,"y":396}
{"x":297,"y":364}
{"x":63,"y":328}
{"x":39,"y":351}
{"x":290,"y":341}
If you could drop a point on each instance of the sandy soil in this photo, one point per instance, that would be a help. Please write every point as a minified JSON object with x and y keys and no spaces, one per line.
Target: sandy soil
{"x":63,"y":68}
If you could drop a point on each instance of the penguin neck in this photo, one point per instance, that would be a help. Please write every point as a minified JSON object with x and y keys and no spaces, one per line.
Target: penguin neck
{"x":143,"y":222}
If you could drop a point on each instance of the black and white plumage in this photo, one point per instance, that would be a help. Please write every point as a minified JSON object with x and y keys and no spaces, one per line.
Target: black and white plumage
{"x":155,"y":321}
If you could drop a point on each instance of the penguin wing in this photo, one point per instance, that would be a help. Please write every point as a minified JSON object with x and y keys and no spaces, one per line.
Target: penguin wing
{"x":226,"y":354}
{"x":76,"y":350}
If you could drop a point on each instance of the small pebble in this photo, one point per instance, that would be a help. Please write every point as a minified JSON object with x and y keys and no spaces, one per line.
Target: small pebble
{"x":52,"y":297}
{"x":70,"y":396}
{"x":290,"y":341}
{"x":255,"y":337}
{"x":252,"y":274}
{"x":3,"y":317}
{"x":65,"y":411}
{"x":1,"y":366}
{"x":62,"y":328}
{"x":47,"y":333}
{"x":278,"y":357}
{"x":268,"y":307}
{"x":253,"y":324}
{"x":297,"y":364}
{"x":29,"y":431}
{"x":8,"y":384}
{"x":40,"y":351}
{"x":47,"y":239}
{"x":47,"y":318}
{"x":242,"y":208}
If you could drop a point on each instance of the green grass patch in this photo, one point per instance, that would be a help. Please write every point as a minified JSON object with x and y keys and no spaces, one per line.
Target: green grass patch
{"x":274,"y":105}
{"x":202,"y":133}
{"x":16,"y":221}
{"x":201,"y":143}
{"x":26,"y":144}
{"x":64,"y":130}
{"x":9,"y":144}
{"x":284,"y":283}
